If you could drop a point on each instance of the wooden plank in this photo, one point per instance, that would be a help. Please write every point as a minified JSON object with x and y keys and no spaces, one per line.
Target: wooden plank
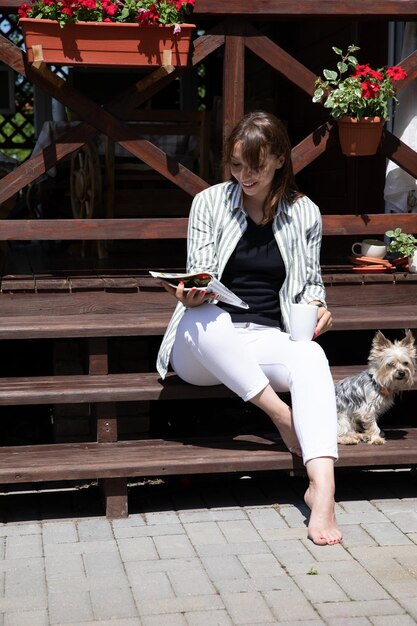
{"x":303,"y":8}
{"x":94,"y":229}
{"x":186,"y":456}
{"x":176,"y":227}
{"x":147,"y":312}
{"x":233,"y":71}
{"x":106,"y":389}
{"x":287,"y":8}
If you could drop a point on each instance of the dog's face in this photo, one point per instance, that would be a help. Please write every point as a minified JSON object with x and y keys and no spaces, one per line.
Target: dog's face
{"x":392,"y":364}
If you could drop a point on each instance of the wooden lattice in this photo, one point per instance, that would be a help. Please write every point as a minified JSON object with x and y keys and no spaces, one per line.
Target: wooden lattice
{"x":17,"y":129}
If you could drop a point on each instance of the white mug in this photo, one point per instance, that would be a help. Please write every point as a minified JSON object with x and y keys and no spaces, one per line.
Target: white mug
{"x":303,"y":321}
{"x":370,"y":247}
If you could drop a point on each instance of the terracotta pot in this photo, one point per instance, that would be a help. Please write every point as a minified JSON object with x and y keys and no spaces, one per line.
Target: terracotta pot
{"x":360,"y":137}
{"x":107,"y":43}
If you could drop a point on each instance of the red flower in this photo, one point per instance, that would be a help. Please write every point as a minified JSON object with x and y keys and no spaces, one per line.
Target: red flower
{"x":396,"y":72}
{"x":109,"y":7}
{"x":369,"y":90}
{"x":23,"y":9}
{"x":361,"y":70}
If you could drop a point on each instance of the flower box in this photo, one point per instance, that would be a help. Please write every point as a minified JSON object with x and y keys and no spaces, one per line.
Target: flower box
{"x":107,"y":43}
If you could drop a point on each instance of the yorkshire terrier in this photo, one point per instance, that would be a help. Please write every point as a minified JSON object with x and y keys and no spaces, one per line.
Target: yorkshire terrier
{"x":362,"y":399}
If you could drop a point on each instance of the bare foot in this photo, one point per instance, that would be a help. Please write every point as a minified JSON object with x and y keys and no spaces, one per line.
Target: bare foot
{"x":322,"y":526}
{"x":281,"y":416}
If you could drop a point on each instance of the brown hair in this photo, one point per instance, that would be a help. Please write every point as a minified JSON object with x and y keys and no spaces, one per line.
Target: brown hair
{"x":260,"y":134}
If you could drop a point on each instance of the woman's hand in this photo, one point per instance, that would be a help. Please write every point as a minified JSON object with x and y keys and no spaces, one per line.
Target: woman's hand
{"x":190,"y":297}
{"x":324,"y":320}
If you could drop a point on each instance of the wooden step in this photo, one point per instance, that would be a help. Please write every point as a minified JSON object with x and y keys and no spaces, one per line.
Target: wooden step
{"x":148,"y":311}
{"x":159,"y":457}
{"x":119,"y":387}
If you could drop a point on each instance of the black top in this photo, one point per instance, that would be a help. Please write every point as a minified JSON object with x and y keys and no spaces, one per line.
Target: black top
{"x":255,"y":272}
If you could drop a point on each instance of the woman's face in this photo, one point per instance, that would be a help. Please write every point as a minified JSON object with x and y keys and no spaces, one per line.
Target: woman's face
{"x":255,"y":183}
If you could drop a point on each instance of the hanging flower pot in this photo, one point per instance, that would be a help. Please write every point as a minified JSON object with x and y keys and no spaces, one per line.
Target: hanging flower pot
{"x":360,"y":137}
{"x":108,"y":43}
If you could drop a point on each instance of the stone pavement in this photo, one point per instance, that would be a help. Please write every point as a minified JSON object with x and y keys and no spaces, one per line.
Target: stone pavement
{"x":212,"y":551}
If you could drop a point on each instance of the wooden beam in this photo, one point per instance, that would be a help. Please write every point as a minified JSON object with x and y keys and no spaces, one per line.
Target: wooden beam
{"x":401,"y":154}
{"x":368,"y":224}
{"x":313,"y":146}
{"x":93,"y":229}
{"x":176,"y":228}
{"x":306,"y":8}
{"x":233,"y":75}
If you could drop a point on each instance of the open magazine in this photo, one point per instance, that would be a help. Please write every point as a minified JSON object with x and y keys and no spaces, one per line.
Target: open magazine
{"x":202,"y":280}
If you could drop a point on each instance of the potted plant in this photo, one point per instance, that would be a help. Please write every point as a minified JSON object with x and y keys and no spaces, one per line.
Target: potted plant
{"x":108,"y":32}
{"x":358,"y":98}
{"x":404,"y":244}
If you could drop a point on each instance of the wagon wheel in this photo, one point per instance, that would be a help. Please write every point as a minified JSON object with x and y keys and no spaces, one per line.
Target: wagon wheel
{"x":86,"y":187}
{"x":85,"y":181}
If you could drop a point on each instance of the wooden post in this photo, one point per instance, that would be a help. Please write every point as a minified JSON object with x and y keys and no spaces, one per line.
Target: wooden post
{"x":114,"y":490}
{"x":233,"y":76}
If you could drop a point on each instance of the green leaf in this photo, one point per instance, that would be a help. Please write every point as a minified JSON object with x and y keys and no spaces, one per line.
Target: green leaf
{"x":342,"y":67}
{"x":337,"y":50}
{"x":330,"y":74}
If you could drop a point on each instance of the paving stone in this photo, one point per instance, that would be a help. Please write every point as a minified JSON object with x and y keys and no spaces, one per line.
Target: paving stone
{"x":24,"y":603}
{"x":190,"y":582}
{"x":162,"y":517}
{"x":58,"y":568}
{"x":212,"y":515}
{"x":265,"y":518}
{"x":263,"y":584}
{"x":386,"y":534}
{"x":116,"y":603}
{"x":151,"y":586}
{"x":174,"y":619}
{"x":9,"y":530}
{"x":294,"y":517}
{"x":102,"y":565}
{"x":27,"y":546}
{"x":95,"y":530}
{"x":128,"y":522}
{"x":184,"y":604}
{"x":87,"y":547}
{"x":355,"y":535}
{"x":174,"y":546}
{"x":76,"y":606}
{"x":251,"y":547}
{"x":137,"y":548}
{"x":247,"y":608}
{"x":258,"y":565}
{"x":289,"y":605}
{"x":320,"y":588}
{"x":136,"y":569}
{"x":26,"y":618}
{"x":359,"y":609}
{"x":205,"y":533}
{"x":223,"y":567}
{"x":155,"y":530}
{"x":393,"y":620}
{"x":291,"y":551}
{"x":208,"y":618}
{"x":351,"y":621}
{"x":59,"y":532}
{"x":406,"y":521}
{"x":239,"y":531}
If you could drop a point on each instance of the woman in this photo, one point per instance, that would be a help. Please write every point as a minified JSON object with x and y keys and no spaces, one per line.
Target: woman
{"x":262,"y":238}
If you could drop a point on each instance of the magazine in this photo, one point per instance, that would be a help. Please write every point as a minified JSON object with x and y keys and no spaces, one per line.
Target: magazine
{"x":202,"y":280}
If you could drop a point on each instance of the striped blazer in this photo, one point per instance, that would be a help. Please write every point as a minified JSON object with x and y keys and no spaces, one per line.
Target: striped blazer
{"x":217,"y":222}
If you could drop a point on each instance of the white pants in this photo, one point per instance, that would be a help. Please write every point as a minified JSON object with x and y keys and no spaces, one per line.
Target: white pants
{"x":209,"y":349}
